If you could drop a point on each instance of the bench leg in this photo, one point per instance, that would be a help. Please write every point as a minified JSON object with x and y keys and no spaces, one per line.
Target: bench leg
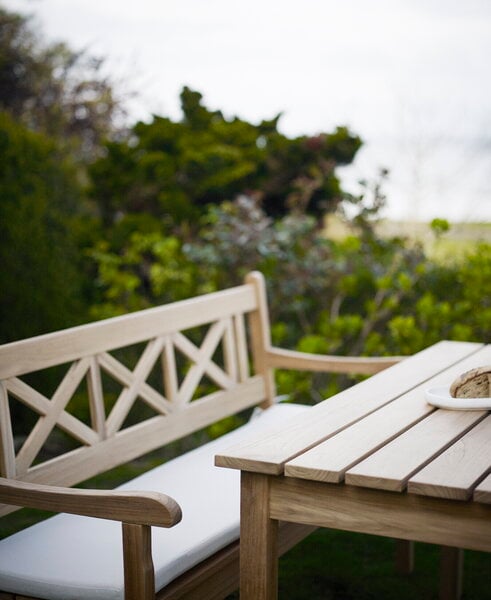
{"x":139,"y":578}
{"x":451,"y":569}
{"x":404,"y":557}
{"x":258,"y":540}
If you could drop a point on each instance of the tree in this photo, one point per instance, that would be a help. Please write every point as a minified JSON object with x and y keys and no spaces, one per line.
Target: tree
{"x":54,"y":90}
{"x":39,"y":204}
{"x":56,"y":108}
{"x":172,"y":170}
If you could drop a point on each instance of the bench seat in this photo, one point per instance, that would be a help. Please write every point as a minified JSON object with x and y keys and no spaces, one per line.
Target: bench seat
{"x":68,"y":557}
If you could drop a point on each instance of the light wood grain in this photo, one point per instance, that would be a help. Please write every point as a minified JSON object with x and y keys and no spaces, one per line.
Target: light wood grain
{"x":96,"y":398}
{"x":126,"y":377}
{"x":482,"y":492}
{"x":28,"y":396}
{"x":280,"y":358}
{"x":132,"y":507}
{"x":83,"y":463}
{"x":66,"y":346}
{"x":40,"y":404}
{"x":229,"y":350}
{"x":45,"y":424}
{"x":455,"y":473}
{"x":169,"y":371}
{"x":241,"y":346}
{"x":269,"y":453}
{"x":258,"y":540}
{"x":261,"y":335}
{"x":7,"y":454}
{"x":392,"y":466}
{"x":139,"y":576}
{"x":330,"y":460}
{"x":378,"y":512}
{"x":129,"y":394}
{"x":203,"y":363}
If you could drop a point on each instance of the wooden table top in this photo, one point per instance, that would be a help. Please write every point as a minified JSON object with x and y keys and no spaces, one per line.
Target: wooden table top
{"x":382,"y":434}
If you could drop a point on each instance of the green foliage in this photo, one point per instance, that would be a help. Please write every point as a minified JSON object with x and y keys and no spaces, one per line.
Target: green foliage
{"x":172,"y":170}
{"x":150,"y":269}
{"x":56,"y":107}
{"x":190,"y":206}
{"x":54,"y":90}
{"x":313,"y":281}
{"x":362,"y":295}
{"x":440,"y":226}
{"x":38,"y":205}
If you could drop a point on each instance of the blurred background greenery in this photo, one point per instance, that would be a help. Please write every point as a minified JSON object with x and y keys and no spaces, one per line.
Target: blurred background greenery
{"x":100,"y":218}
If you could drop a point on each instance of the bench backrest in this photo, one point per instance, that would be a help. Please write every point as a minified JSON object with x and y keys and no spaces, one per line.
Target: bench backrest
{"x":222,"y":356}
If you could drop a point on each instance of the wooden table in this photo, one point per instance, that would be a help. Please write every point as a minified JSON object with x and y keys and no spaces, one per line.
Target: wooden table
{"x":375,"y":458}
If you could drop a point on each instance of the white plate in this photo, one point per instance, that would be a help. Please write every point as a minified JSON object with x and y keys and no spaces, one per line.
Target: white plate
{"x":440,"y":396}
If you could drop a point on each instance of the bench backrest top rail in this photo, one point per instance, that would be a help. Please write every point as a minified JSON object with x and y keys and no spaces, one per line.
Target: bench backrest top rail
{"x":51,"y":349}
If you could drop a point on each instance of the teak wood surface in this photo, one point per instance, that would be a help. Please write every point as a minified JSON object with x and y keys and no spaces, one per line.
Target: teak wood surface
{"x":376,"y":459}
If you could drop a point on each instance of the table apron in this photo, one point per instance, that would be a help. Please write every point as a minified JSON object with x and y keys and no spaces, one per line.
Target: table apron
{"x":389,"y":514}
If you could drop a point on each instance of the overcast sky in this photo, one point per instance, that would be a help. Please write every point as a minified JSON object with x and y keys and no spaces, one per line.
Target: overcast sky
{"x":410,"y":76}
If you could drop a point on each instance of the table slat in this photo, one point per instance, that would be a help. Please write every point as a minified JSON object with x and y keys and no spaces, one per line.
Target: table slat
{"x":482,"y":493}
{"x":391,"y":467}
{"x":455,"y":473}
{"x":268,"y":453}
{"x":331,"y":459}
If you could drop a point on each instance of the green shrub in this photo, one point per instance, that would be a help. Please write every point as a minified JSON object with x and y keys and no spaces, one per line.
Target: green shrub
{"x":362,"y":295}
{"x":39,"y":200}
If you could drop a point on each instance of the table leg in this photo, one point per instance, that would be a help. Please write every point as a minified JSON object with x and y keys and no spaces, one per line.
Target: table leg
{"x":258,"y":540}
{"x":404,"y":557}
{"x":451,"y":569}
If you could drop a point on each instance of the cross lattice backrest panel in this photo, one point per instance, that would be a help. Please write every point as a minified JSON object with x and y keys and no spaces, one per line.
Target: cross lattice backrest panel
{"x":191,"y":369}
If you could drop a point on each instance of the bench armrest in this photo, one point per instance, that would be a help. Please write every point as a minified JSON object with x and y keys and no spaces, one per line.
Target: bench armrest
{"x":279,"y":358}
{"x":139,"y":508}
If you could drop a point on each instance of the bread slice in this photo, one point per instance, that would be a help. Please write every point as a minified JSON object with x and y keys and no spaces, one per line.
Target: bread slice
{"x":475,"y":383}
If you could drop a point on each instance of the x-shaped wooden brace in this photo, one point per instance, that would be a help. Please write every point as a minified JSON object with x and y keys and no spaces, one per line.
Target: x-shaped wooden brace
{"x":52,"y":413}
{"x":202,"y":361}
{"x":135,"y":384}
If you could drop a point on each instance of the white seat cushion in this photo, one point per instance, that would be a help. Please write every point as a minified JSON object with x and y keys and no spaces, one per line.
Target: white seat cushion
{"x":68,"y":557}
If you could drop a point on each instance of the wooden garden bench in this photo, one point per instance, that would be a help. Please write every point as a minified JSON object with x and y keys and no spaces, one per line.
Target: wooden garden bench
{"x":192,"y":549}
